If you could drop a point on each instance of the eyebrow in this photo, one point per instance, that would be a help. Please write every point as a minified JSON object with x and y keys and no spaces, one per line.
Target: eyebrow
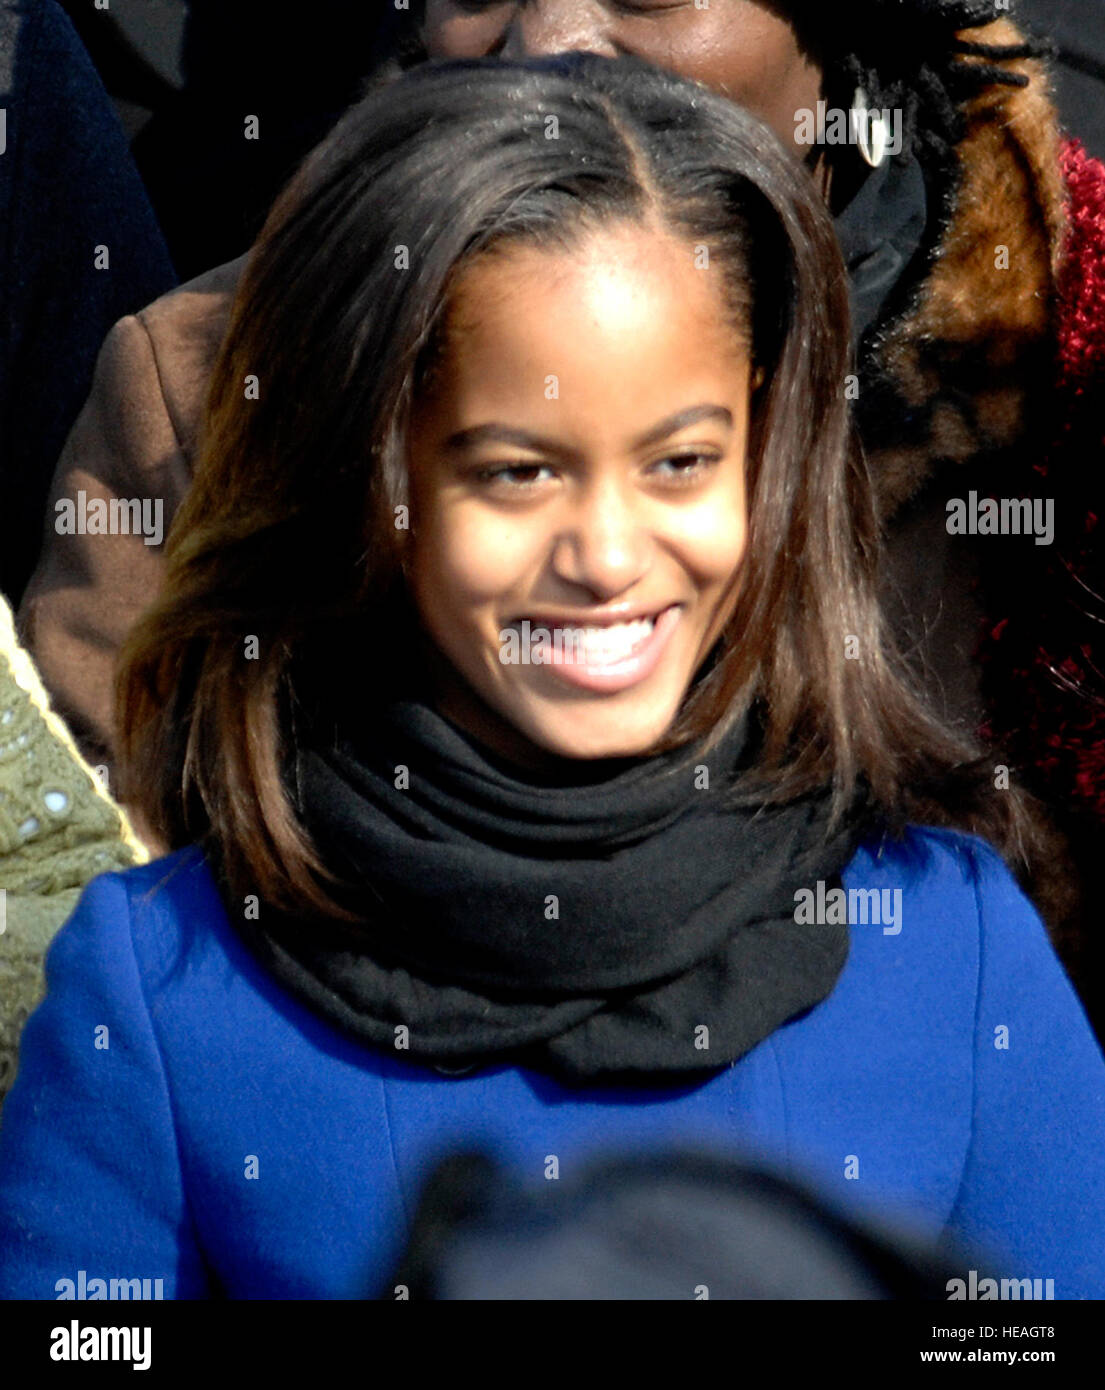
{"x":507,"y":434}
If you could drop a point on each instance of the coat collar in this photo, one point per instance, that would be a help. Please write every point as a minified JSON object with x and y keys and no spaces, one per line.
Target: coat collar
{"x":948,"y":378}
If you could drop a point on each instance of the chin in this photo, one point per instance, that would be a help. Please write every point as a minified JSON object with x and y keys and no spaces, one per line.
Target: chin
{"x":611,"y":737}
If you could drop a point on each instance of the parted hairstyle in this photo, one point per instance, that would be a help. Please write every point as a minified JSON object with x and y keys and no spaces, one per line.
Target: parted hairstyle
{"x":288,"y":535}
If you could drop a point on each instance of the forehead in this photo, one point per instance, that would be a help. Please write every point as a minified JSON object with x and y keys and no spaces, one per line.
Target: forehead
{"x":615,"y":277}
{"x":624,"y":325}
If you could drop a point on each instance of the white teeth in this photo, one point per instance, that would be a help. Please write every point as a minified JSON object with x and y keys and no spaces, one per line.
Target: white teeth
{"x":606,"y":646}
{"x":584,"y":646}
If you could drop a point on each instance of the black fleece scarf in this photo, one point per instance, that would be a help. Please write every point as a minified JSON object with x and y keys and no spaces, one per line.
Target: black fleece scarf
{"x":628,"y":923}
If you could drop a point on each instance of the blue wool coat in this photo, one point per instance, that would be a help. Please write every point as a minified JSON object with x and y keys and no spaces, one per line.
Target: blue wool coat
{"x":179,"y":1116}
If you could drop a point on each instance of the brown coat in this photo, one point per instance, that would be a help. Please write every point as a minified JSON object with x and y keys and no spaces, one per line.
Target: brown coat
{"x":135,"y":438}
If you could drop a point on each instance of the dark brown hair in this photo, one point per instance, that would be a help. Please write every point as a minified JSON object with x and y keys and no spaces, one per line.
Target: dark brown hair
{"x":288,"y":537}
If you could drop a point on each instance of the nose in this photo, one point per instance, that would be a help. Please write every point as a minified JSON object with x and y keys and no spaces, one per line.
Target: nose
{"x":605,"y":546}
{"x":539,"y":27}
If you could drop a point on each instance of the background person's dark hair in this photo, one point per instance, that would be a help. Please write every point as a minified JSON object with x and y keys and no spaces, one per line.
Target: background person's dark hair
{"x":908,"y":55}
{"x":288,"y":534}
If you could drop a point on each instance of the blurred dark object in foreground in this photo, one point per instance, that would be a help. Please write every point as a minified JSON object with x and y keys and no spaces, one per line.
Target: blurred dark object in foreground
{"x":1077,"y":28}
{"x":685,"y":1224}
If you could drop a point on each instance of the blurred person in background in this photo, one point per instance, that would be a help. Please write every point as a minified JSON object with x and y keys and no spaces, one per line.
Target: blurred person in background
{"x":81,"y":248}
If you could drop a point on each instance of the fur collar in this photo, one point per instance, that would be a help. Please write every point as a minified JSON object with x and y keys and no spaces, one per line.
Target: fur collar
{"x":948,"y":380}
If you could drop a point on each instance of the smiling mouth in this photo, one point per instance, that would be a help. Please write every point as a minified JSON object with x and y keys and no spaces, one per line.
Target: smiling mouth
{"x":594,"y":643}
{"x":601,"y":657}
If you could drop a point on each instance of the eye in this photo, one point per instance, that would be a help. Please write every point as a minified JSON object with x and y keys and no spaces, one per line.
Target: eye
{"x":476,"y":6}
{"x":514,"y":475}
{"x":646,"y":6}
{"x":684,"y":468}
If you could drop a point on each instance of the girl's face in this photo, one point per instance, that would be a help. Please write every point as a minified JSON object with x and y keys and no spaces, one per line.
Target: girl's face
{"x":578,"y":492}
{"x":745,"y":49}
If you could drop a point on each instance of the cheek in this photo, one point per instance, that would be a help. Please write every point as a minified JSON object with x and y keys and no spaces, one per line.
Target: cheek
{"x":466,"y":558}
{"x":710,"y":540}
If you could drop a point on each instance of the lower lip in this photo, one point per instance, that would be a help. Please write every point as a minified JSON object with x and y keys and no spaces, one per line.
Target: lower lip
{"x":620,"y":675}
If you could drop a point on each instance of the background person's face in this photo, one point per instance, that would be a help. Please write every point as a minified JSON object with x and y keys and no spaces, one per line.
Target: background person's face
{"x":580,"y":465}
{"x":745,"y":49}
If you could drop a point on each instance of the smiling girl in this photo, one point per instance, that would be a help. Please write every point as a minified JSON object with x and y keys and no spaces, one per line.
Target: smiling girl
{"x":550,"y":346}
